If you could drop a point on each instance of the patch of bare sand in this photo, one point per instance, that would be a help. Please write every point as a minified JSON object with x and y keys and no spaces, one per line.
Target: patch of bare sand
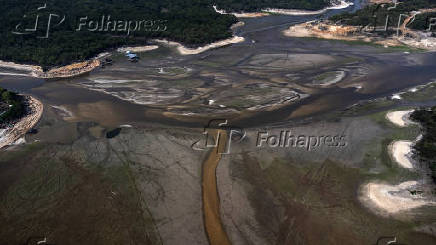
{"x":241,"y":15}
{"x":299,"y":12}
{"x":138,"y":49}
{"x":190,"y":51}
{"x":400,"y":118}
{"x":401,"y":151}
{"x":392,"y":199}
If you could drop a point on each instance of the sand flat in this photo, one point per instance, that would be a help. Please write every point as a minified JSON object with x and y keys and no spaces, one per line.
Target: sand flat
{"x":400,"y":151}
{"x":190,"y":51}
{"x":393,"y":198}
{"x":400,"y":118}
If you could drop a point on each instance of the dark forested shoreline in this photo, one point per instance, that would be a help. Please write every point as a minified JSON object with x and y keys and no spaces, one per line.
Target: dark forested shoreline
{"x":11,"y":107}
{"x":426,"y":147}
{"x":59,"y":32}
{"x":59,"y":41}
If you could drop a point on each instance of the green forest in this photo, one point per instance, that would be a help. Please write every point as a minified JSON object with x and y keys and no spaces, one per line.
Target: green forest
{"x":378,"y":13}
{"x":189,"y":21}
{"x":55,"y":41}
{"x":11,"y":106}
{"x":426,"y":147}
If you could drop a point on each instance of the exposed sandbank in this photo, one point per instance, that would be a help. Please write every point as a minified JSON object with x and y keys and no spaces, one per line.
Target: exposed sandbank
{"x":297,"y":12}
{"x":341,"y":5}
{"x":242,"y":14}
{"x":400,"y":118}
{"x":190,"y":51}
{"x":392,"y":199}
{"x":138,"y":49}
{"x":401,"y":152}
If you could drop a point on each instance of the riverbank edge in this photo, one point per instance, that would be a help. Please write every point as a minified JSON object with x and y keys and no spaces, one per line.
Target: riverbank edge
{"x":330,"y":31}
{"x":25,"y":124}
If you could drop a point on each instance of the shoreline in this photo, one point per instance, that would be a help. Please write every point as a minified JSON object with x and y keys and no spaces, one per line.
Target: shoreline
{"x":401,"y":151}
{"x":343,"y":4}
{"x":330,"y":31}
{"x":295,"y":12}
{"x":20,"y":128}
{"x":183,"y":50}
{"x":138,"y":49}
{"x":80,"y":68}
{"x":400,"y":118}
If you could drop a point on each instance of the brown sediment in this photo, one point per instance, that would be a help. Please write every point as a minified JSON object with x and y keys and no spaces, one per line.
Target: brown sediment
{"x":211,"y":202}
{"x":70,"y":70}
{"x":25,"y":124}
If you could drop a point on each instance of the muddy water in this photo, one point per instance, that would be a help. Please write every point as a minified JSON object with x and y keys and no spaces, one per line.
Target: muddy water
{"x":211,"y":202}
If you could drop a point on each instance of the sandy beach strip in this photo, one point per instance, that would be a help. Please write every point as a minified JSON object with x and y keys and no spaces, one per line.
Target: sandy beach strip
{"x":297,"y":12}
{"x":138,"y":49}
{"x":392,"y":199}
{"x":20,"y":67}
{"x":11,"y":135}
{"x":190,"y":51}
{"x":401,"y":152}
{"x":241,"y":15}
{"x":400,"y":118}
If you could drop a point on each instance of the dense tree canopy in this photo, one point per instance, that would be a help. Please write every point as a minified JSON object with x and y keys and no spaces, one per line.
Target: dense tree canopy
{"x":11,"y":106}
{"x":426,"y":147}
{"x":56,"y":41}
{"x":187,"y":21}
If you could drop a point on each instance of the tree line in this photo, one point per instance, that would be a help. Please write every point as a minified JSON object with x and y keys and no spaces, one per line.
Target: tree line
{"x":426,"y":147}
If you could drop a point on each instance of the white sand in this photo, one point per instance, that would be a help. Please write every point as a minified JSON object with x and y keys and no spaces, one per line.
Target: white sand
{"x":400,"y":118}
{"x":297,"y":12}
{"x":189,"y":51}
{"x":241,"y":15}
{"x":401,"y":151}
{"x":29,"y":68}
{"x":392,"y":199}
{"x":138,"y":49}
{"x":341,"y":5}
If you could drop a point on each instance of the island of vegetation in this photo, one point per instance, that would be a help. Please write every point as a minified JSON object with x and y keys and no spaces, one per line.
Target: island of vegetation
{"x":409,"y":23}
{"x":427,"y":145}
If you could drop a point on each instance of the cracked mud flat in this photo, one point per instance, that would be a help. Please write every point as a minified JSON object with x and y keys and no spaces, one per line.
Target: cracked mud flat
{"x":147,"y":183}
{"x":143,"y":186}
